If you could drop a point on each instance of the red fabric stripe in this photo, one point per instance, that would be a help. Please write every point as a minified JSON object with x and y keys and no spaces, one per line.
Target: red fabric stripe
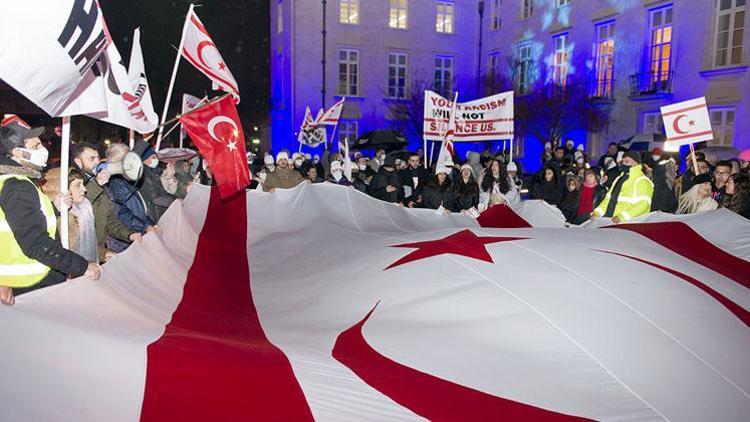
{"x":214,"y":362}
{"x":682,"y":110}
{"x":690,"y":135}
{"x":426,"y":395}
{"x":470,"y":134}
{"x":501,"y":217}
{"x":734,"y":308}
{"x":681,"y":239}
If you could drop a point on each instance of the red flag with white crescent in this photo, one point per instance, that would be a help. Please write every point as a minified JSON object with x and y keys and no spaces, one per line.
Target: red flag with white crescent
{"x":217,"y":131}
{"x":200,"y":50}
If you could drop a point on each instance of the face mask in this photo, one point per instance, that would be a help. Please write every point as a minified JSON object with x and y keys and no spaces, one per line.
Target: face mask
{"x":316,"y":160}
{"x":623,"y":168}
{"x":298,"y":163}
{"x":362,"y":167}
{"x":37,"y":157}
{"x":152,"y":164}
{"x":656,"y":158}
{"x":381,"y":157}
{"x":448,"y":171}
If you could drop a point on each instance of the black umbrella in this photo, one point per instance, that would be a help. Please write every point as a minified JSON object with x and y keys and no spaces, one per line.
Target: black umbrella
{"x":387,"y":139}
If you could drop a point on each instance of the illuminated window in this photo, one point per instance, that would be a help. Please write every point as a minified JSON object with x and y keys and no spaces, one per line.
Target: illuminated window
{"x":495,"y":9}
{"x":660,"y":51}
{"x":524,"y":66}
{"x":527,"y":8}
{"x":444,"y":75}
{"x":348,"y":130}
{"x":730,"y":24}
{"x":493,"y":65}
{"x":445,"y":17}
{"x":722,"y":123}
{"x":280,"y":17}
{"x":560,"y":60}
{"x":349,"y":12}
{"x":604,"y":50}
{"x":348,"y":72}
{"x":397,"y":70}
{"x":652,"y":122}
{"x":398,"y":18}
{"x":561,"y":3}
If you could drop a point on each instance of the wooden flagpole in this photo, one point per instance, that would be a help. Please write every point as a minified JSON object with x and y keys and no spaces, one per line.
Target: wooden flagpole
{"x":64,"y":166}
{"x":174,"y":76}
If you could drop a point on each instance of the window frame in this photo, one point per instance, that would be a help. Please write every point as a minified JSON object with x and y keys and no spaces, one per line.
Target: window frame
{"x":724,"y":127}
{"x":448,"y":19}
{"x":604,"y":87}
{"x":345,"y":126}
{"x":398,"y":6}
{"x":527,"y":9}
{"x":345,"y":12}
{"x":731,"y":31}
{"x":658,"y":121}
{"x":398,"y":66}
{"x":442,"y":87}
{"x":348,"y":74}
{"x":562,"y":3}
{"x":495,"y":14}
{"x":560,"y":68}
{"x":656,"y":67}
{"x":524,"y":67}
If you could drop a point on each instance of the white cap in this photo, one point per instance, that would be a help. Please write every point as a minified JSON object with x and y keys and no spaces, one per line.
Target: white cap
{"x":580,"y":147}
{"x":466,"y":166}
{"x":307,"y":156}
{"x":268,"y":160}
{"x":512,"y":166}
{"x":283,"y":155}
{"x":620,"y":154}
{"x":335,"y":165}
{"x":442,"y":168}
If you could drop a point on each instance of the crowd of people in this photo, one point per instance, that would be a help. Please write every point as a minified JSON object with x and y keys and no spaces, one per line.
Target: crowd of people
{"x":108,"y":211}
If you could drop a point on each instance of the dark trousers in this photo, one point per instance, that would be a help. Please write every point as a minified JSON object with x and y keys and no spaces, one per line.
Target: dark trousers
{"x":54,"y":277}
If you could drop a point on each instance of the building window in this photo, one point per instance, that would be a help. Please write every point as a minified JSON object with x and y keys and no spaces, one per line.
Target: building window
{"x":493,"y":65}
{"x":527,"y":8}
{"x":660,"y":52}
{"x":524,"y":66}
{"x":445,"y":14}
{"x":561,"y":3}
{"x":730,"y":24}
{"x":348,"y":130}
{"x":604,"y":49}
{"x":398,"y":17}
{"x":348,"y":72}
{"x":652,"y":122}
{"x":279,"y":17}
{"x":397,"y":71}
{"x":722,"y":123}
{"x":349,"y":12}
{"x":495,"y":20}
{"x":560,"y":60}
{"x":443,"y":75}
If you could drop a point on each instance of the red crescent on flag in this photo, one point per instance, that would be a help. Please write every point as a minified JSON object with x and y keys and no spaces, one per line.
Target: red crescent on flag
{"x":676,"y":124}
{"x":201,"y":46}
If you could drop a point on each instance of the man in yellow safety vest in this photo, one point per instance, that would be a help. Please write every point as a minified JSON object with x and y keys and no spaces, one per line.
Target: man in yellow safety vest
{"x":31,"y":256}
{"x":630,"y":194}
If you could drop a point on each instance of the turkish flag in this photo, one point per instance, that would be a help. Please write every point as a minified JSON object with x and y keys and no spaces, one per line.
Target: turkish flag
{"x":200,"y":50}
{"x":217,"y":131}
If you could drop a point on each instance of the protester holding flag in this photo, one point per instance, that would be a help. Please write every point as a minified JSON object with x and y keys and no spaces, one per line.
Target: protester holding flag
{"x":386,"y":185}
{"x":414,"y":176}
{"x":496,"y":186}
{"x":664,"y":176}
{"x":547,"y":187}
{"x":631,"y":193}
{"x":438,"y":191}
{"x":152,"y":183}
{"x":86,"y":159}
{"x":698,"y":198}
{"x":31,"y":255}
{"x":465,"y":191}
{"x":337,"y":175}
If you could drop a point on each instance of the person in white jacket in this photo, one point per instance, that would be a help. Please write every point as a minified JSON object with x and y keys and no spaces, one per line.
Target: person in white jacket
{"x":496,"y":187}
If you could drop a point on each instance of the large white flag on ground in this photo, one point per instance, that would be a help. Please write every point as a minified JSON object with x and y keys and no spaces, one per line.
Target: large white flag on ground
{"x":687,"y":122}
{"x":405,"y":315}
{"x":485,"y":119}
{"x":200,"y":50}
{"x":48,"y":49}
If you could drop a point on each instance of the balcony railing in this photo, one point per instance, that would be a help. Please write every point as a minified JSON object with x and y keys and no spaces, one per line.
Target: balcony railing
{"x":651,"y":84}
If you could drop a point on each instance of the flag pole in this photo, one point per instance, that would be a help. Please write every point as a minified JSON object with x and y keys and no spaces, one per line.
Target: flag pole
{"x":174,"y":76}
{"x":64,"y":165}
{"x":511,"y":148}
{"x":424,"y":151}
{"x":695,"y":159}
{"x":131,"y":138}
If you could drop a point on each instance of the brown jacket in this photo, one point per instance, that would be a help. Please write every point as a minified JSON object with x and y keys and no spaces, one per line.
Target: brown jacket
{"x":282,"y":179}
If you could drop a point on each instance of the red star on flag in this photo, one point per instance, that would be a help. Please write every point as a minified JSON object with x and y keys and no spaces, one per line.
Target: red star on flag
{"x":464,"y":243}
{"x":222,"y":66}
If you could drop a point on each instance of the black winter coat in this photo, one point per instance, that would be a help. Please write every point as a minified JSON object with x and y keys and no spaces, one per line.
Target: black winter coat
{"x":19,"y":201}
{"x":379,"y":183}
{"x":547,"y":191}
{"x":407,"y":176}
{"x":156,"y":198}
{"x":433,"y":196}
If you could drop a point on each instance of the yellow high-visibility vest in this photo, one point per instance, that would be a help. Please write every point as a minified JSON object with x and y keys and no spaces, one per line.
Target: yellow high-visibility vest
{"x":16,"y":269}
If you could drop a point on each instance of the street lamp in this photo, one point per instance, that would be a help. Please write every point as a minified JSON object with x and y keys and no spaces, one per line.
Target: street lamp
{"x":480,"y":9}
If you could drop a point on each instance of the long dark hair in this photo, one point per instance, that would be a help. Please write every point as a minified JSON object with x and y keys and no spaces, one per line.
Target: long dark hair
{"x":555,"y":176}
{"x":739,"y":200}
{"x":468,"y":189}
{"x":435,"y":183}
{"x":489,"y":179}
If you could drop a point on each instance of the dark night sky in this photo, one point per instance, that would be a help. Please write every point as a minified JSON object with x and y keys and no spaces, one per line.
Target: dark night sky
{"x":240,"y":29}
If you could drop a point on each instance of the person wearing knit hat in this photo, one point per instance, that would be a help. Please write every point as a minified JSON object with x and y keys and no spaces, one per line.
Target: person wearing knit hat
{"x":283,"y":155}
{"x":284,"y":176}
{"x":630,"y":194}
{"x":465,"y":191}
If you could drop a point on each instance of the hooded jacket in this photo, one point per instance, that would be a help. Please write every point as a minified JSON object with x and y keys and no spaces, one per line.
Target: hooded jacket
{"x":629,"y":197}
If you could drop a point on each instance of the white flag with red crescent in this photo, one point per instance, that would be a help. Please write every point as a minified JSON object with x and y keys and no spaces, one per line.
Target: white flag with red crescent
{"x":331,"y":116}
{"x":322,"y":303}
{"x":200,"y":50}
{"x":687,"y":122}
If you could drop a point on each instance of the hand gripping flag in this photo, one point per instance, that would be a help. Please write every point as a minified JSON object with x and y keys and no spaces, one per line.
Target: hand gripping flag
{"x":331,"y":116}
{"x":217,"y":132}
{"x":200,"y":50}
